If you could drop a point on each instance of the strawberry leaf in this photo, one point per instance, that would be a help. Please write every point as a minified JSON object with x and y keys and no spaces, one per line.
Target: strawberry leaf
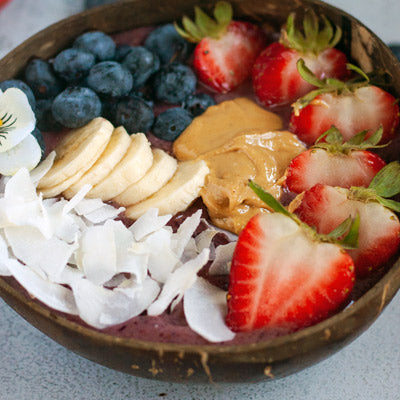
{"x":350,"y":241}
{"x":307,"y":74}
{"x":386,"y":182}
{"x":391,"y":204}
{"x":205,"y":24}
{"x":358,"y":70}
{"x":357,"y":139}
{"x":269,"y":200}
{"x":223,"y":13}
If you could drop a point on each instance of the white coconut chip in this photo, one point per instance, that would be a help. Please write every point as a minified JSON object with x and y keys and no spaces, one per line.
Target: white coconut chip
{"x":86,"y":206}
{"x":97,"y":255}
{"x":223,"y":257}
{"x":32,"y":248}
{"x":204,"y":240}
{"x":190,"y":251}
{"x":4,"y":257}
{"x":75,"y":200}
{"x":205,"y":309}
{"x":148,"y":223}
{"x":185,"y":232}
{"x":104,"y":213}
{"x":41,"y":170}
{"x":177,"y":283}
{"x":101,"y":307}
{"x":53,"y":295}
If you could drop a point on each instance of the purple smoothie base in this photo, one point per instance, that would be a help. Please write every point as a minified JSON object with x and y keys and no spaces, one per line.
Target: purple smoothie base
{"x":171,"y":326}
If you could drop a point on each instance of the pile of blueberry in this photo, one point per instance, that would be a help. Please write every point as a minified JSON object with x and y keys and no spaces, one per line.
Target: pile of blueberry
{"x":97,"y":78}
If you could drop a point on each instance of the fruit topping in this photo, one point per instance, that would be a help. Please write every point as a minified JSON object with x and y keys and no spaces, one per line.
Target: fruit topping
{"x":110,"y":78}
{"x":97,"y":43}
{"x":76,"y":106}
{"x":222,"y":122}
{"x":168,"y":45}
{"x":276,"y":80}
{"x":142,"y":63}
{"x":326,"y":207}
{"x":173,"y":83}
{"x":45,"y":120}
{"x":225,"y":50}
{"x":73,"y":64}
{"x":283,"y":274}
{"x":171,"y":123}
{"x":351,"y":106}
{"x":197,"y":103}
{"x":332,"y":161}
{"x":40,"y":77}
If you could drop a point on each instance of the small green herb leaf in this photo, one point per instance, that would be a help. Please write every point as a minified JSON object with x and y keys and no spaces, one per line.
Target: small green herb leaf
{"x":350,"y":241}
{"x":386,"y":182}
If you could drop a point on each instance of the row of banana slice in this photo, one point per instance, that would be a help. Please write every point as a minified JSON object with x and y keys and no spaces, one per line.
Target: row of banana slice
{"x":122,"y":168}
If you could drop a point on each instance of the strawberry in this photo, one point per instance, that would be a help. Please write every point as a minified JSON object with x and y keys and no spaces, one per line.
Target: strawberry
{"x":225,"y":50}
{"x":325,"y":207}
{"x":276,"y":80}
{"x":351,"y":106}
{"x":284,"y":274}
{"x":331,"y":161}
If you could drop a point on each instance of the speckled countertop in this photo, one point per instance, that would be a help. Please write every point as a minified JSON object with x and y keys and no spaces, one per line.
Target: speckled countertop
{"x":34,"y":367}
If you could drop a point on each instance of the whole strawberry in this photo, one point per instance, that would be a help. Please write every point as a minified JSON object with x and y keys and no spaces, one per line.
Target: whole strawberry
{"x":276,"y":80}
{"x":284,"y":274}
{"x":332,"y":161}
{"x":326,"y":207}
{"x":225,"y":50}
{"x":351,"y":106}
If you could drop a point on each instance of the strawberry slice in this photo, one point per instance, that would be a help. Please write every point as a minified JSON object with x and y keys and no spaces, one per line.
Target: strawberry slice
{"x":276,"y":80}
{"x":325,"y":207}
{"x":226,"y":49}
{"x":331,"y":161}
{"x":351,"y":107}
{"x":285,"y":275}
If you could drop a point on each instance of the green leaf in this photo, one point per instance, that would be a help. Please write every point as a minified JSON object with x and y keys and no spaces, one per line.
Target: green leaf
{"x":359,"y":71}
{"x":333,"y":136}
{"x":310,"y":26}
{"x":192,"y":29}
{"x":350,"y":241}
{"x":189,"y":37}
{"x":391,"y":204}
{"x":325,"y":35}
{"x":206,"y":25}
{"x":357,"y":139}
{"x":269,"y":200}
{"x":223,"y":13}
{"x":375,"y":138}
{"x":342,"y":230}
{"x":386,"y":182}
{"x":307,"y":74}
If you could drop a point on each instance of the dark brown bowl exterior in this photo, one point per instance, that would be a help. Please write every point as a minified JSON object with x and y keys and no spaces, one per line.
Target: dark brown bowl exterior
{"x":184,"y":363}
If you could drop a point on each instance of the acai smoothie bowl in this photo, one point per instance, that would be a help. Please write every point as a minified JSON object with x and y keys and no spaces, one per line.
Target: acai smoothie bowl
{"x":201,"y":192}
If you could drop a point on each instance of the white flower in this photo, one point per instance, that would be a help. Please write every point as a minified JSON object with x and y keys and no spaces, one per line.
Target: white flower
{"x":18,"y":147}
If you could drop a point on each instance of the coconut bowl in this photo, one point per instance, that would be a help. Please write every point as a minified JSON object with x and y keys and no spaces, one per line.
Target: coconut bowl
{"x":203,"y":363}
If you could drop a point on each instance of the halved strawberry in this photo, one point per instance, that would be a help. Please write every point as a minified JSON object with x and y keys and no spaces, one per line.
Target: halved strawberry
{"x":276,"y":80}
{"x":283,"y":274}
{"x":325,"y":207}
{"x":351,"y":107}
{"x":331,"y":161}
{"x":226,"y":49}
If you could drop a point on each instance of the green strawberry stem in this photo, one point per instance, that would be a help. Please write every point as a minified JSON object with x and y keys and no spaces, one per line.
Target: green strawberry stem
{"x":203,"y":25}
{"x":346,"y":234}
{"x":332,"y":140}
{"x":314,"y":38}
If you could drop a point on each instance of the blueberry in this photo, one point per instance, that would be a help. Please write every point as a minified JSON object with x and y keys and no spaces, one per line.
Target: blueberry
{"x":142,"y":96}
{"x":16,"y":83}
{"x":122,"y":51}
{"x":134,"y":114}
{"x":168,"y":44}
{"x":40,"y":139}
{"x":73,"y":64}
{"x":110,"y":78}
{"x":174,"y":83}
{"x":171,"y":123}
{"x":142,"y":63}
{"x":196,"y":104}
{"x":395,"y":47}
{"x":41,"y":79}
{"x":76,"y":106}
{"x":44,"y":117}
{"x":97,"y":43}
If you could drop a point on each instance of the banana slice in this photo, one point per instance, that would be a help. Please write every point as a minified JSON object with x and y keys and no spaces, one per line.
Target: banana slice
{"x":111,"y":156}
{"x":76,"y":153}
{"x":133,"y":166}
{"x":162,"y":170}
{"x":177,"y":194}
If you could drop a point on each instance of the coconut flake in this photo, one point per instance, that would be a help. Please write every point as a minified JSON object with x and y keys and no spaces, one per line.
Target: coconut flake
{"x":205,"y":309}
{"x":148,"y":223}
{"x":178,"y":282}
{"x":4,"y":256}
{"x":75,"y":200}
{"x":223,"y":257}
{"x":185,"y":232}
{"x":204,"y":239}
{"x":97,"y":256}
{"x":104,"y":213}
{"x":100,"y":307}
{"x":53,"y":295}
{"x":32,"y":248}
{"x":43,"y":168}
